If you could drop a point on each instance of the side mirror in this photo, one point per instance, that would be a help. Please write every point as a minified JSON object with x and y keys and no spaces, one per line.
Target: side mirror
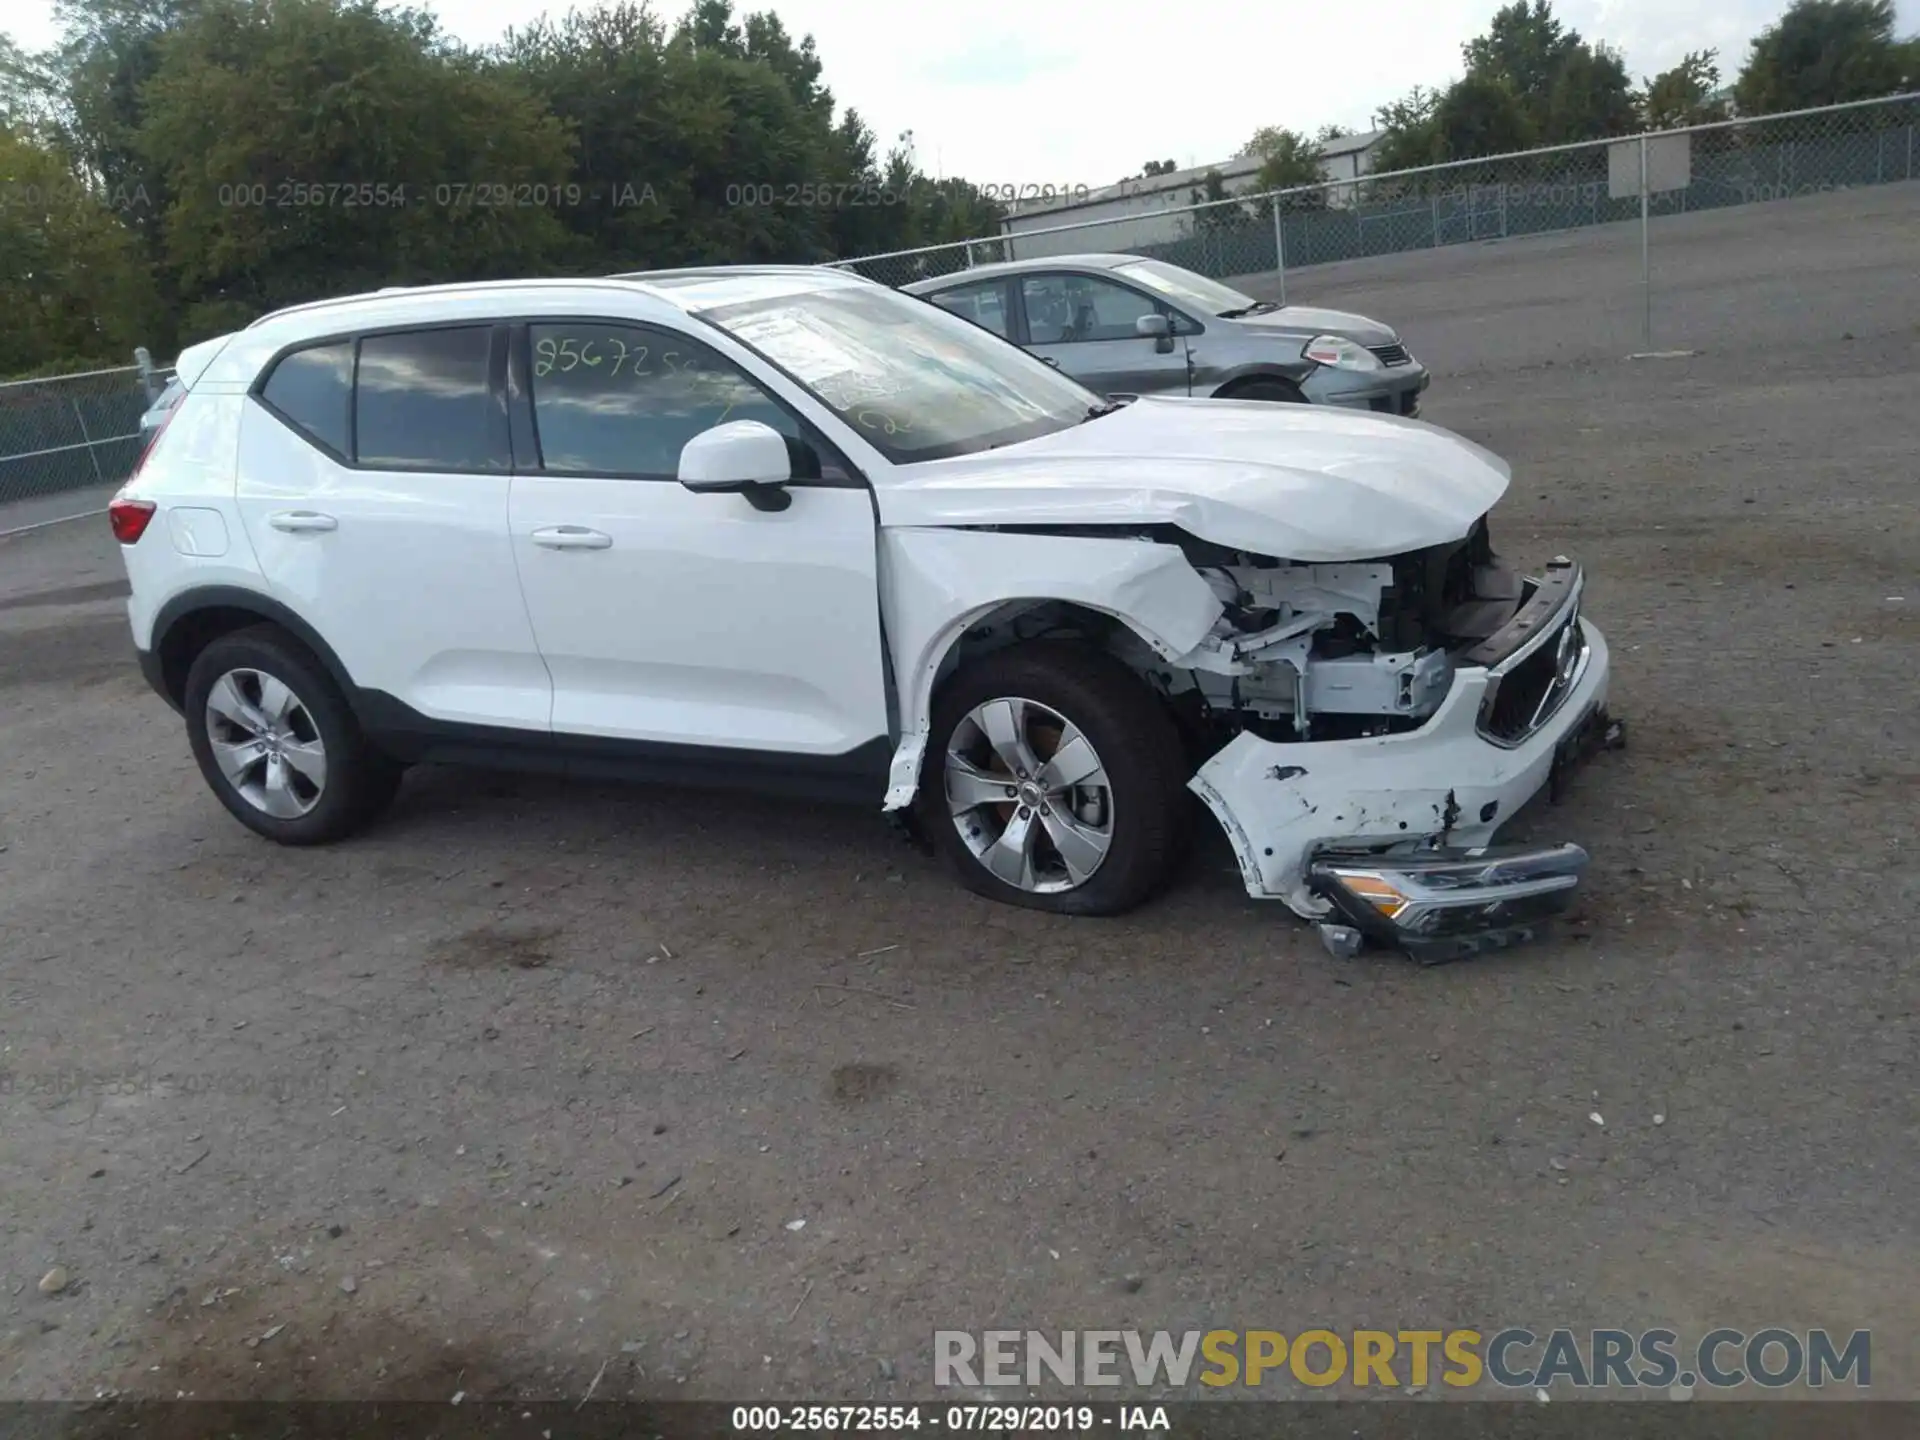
{"x":742,"y":457}
{"x":1157,"y":328}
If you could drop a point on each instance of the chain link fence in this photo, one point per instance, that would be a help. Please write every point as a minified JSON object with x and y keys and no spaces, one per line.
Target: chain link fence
{"x":69,"y":432}
{"x":1632,"y":178}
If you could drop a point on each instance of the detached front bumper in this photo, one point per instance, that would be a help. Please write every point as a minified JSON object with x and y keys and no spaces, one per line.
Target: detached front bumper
{"x":1428,"y":797}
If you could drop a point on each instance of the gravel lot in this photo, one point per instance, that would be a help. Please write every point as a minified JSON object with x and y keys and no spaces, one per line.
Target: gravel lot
{"x":534,"y":1081}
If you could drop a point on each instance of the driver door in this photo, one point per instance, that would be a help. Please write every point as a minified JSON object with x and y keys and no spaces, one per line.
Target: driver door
{"x":1085,"y":324}
{"x":689,"y":633}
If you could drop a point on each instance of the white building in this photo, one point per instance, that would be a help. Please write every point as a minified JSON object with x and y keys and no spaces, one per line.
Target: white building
{"x":1134,"y":212}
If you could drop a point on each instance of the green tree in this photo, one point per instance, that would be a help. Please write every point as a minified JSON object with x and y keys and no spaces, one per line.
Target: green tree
{"x":1410,"y":138}
{"x":1481,"y":115}
{"x":1591,"y":98}
{"x":1825,"y":52}
{"x":1288,"y":160}
{"x":1685,"y":94}
{"x":108,"y":52}
{"x":73,"y":286}
{"x":1221,"y":213}
{"x":275,"y":127}
{"x":27,"y":87}
{"x":1525,"y":45}
{"x":716,"y":140}
{"x":1158,"y":167}
{"x":1569,"y":90}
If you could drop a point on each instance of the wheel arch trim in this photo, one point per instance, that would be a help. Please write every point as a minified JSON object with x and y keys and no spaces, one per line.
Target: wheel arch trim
{"x":203,"y":598}
{"x":939,"y":584}
{"x":1263,"y":370}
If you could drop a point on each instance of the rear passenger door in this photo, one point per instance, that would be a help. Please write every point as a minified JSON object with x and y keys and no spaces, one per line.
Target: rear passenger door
{"x":373,"y":481}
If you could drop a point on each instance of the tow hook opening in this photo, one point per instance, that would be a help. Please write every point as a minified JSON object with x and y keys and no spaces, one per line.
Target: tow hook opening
{"x":1441,"y":905}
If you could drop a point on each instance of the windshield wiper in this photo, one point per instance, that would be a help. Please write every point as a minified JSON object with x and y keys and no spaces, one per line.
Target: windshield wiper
{"x":1258,"y":307}
{"x":1094,"y":412}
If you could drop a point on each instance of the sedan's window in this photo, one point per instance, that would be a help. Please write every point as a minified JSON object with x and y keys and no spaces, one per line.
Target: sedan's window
{"x":422,"y":402}
{"x":620,"y":400}
{"x":1066,"y":309}
{"x":312,"y":389}
{"x":1184,"y":287}
{"x":913,"y":381}
{"x":984,"y":303}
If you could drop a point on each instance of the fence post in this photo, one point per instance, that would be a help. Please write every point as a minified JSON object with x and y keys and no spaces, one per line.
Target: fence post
{"x":1434,"y":201}
{"x":1646,"y":255}
{"x":92,"y":454}
{"x":1280,"y":249}
{"x":144,"y":361}
{"x":969,"y":254}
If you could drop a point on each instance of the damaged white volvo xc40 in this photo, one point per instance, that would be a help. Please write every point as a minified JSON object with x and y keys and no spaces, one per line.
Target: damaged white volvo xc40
{"x":788,"y":529}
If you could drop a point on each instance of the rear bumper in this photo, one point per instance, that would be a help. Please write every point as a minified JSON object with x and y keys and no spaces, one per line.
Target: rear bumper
{"x":1445,"y":787}
{"x":155,"y":676}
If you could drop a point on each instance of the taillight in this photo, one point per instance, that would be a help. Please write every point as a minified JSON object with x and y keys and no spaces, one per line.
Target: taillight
{"x":129,"y":519}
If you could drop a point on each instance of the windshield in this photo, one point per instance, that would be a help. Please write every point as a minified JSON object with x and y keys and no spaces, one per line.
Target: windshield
{"x":915,"y":381}
{"x":1186,"y":287}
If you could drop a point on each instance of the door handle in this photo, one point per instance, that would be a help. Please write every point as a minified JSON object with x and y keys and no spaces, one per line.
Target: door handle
{"x":571,"y":537}
{"x":302,"y":522}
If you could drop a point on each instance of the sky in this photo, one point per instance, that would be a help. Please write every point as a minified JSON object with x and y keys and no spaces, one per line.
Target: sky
{"x":1039,"y":92}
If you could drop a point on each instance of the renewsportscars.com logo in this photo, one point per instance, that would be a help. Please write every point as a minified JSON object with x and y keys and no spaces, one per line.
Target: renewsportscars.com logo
{"x":1513,"y":1359}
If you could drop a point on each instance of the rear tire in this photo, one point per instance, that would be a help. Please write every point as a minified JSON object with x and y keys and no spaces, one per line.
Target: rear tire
{"x":277,"y":742}
{"x":1099,"y":818}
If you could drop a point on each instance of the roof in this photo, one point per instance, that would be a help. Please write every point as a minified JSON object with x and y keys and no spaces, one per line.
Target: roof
{"x":1347,"y":144}
{"x":667,"y":285}
{"x":660,"y":297}
{"x":1018,"y":267}
{"x":1193,"y":177}
{"x":699,"y":272}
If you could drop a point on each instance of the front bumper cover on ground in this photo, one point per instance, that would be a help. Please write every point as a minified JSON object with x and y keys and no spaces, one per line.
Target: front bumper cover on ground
{"x":1438,"y":792}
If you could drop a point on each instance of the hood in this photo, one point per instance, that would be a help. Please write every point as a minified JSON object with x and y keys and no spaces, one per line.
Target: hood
{"x":1295,"y":482}
{"x":1309,"y":322}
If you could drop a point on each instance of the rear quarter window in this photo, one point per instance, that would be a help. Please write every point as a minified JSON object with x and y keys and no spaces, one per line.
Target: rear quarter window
{"x":312,"y":390}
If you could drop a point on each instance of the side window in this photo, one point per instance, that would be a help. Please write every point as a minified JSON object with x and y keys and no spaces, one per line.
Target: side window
{"x":313,"y":389}
{"x":422,"y":401}
{"x":984,"y":303}
{"x":619,"y":400}
{"x":1064,"y":309}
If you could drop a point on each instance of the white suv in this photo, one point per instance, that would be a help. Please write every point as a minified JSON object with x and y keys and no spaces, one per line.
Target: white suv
{"x":788,"y":529}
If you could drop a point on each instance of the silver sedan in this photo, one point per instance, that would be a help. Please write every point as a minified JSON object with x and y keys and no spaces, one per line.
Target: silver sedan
{"x":1121,"y":324}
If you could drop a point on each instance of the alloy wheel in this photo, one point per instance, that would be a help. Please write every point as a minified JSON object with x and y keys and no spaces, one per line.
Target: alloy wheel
{"x":265,"y":742}
{"x":1029,"y":796}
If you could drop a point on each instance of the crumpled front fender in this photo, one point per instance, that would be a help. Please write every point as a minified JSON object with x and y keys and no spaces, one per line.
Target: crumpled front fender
{"x":936,"y":584}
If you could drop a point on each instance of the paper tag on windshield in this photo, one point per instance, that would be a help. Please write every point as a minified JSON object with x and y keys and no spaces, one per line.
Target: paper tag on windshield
{"x":804,"y":351}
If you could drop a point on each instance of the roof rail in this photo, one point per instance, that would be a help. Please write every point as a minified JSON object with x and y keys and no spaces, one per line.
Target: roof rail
{"x":449,"y":287}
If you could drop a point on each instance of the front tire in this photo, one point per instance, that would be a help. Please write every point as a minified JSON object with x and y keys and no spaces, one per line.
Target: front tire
{"x":1281,"y":391}
{"x":277,"y":742}
{"x":1055,"y":780}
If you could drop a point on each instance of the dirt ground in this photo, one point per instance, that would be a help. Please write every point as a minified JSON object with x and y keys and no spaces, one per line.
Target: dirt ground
{"x":537,"y":1082}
